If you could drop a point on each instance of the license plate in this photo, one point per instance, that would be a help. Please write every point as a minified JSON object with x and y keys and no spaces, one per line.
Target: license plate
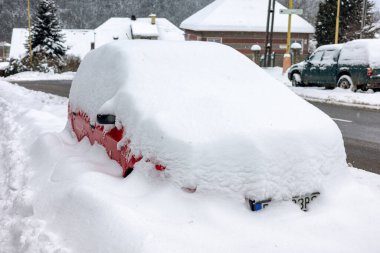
{"x":303,"y":201}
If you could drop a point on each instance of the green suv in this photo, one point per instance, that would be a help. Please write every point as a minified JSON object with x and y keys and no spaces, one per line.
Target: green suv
{"x":353,"y":65}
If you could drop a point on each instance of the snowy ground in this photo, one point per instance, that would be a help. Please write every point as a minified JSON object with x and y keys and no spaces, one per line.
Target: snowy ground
{"x":38,"y":76}
{"x":336,"y":96}
{"x":57,"y":195}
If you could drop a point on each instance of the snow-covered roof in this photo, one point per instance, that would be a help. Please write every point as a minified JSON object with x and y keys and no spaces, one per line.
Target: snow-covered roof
{"x":330,"y":47}
{"x":211,"y":116}
{"x":121,"y":29}
{"x":242,"y":15}
{"x":364,"y":51}
{"x":144,"y":29}
{"x":78,"y":41}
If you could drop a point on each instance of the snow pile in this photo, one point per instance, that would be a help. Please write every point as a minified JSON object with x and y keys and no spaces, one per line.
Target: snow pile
{"x":215,"y":127}
{"x":38,"y":76}
{"x":58,"y":196}
{"x":336,"y":96}
{"x":24,"y":115}
{"x":242,"y":15}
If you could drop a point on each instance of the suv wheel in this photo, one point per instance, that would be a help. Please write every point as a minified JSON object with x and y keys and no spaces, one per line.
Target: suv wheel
{"x":345,"y":82}
{"x":296,"y":80}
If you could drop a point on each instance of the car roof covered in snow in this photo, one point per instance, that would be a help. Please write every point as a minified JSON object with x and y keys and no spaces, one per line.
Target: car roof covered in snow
{"x":215,"y":119}
{"x":330,"y":47}
{"x":364,"y":51}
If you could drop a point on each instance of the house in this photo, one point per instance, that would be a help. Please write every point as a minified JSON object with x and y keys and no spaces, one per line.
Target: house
{"x":136,"y":28}
{"x":242,"y":24}
{"x":80,"y":42}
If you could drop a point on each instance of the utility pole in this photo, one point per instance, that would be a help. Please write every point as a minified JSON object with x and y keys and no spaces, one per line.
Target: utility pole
{"x":269,"y":32}
{"x":337,"y":23}
{"x":364,"y":13}
{"x":30,"y":36}
{"x":287,"y":59}
{"x":289,"y":28}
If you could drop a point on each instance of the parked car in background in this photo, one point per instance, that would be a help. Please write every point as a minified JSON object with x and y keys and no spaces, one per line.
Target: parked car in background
{"x":353,"y":65}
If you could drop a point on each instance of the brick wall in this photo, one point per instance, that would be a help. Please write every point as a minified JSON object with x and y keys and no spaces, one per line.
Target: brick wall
{"x":243,"y":41}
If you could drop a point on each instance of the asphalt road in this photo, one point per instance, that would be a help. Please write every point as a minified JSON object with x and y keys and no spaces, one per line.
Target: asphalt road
{"x":360,"y":127}
{"x":56,"y":87}
{"x":361,"y":134}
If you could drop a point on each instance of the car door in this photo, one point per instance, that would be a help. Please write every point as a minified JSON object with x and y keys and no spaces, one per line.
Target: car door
{"x":310,"y":75}
{"x":328,"y":68}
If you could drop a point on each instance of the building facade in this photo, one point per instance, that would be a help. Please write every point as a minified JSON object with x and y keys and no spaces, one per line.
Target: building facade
{"x":242,"y":24}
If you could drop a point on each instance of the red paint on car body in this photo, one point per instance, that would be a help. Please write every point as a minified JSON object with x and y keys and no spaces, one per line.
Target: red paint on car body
{"x":81,"y":126}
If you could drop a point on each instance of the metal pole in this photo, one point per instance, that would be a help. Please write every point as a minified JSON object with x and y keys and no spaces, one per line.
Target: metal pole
{"x":364,"y":13}
{"x":289,"y":28}
{"x":267,"y":33}
{"x":30,"y":36}
{"x":337,"y":23}
{"x":271,"y":31}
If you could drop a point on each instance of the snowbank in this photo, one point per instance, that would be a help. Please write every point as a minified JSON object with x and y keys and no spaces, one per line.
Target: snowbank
{"x":339,"y":96}
{"x":216,"y":120}
{"x":38,"y":76}
{"x":24,"y":115}
{"x":57,"y":195}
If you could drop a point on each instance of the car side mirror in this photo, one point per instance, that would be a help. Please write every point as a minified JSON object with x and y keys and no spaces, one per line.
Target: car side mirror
{"x":106,"y":119}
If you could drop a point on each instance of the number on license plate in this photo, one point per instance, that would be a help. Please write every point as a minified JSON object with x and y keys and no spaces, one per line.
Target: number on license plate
{"x":305,"y":200}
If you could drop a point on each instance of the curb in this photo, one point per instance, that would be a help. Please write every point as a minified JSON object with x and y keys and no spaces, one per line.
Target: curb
{"x":332,"y":102}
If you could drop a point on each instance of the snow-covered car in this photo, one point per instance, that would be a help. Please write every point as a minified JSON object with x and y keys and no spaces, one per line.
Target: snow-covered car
{"x":206,"y":118}
{"x":354,"y":65}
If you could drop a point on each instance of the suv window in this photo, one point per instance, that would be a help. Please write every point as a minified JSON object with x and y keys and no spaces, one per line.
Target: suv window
{"x":316,"y":57}
{"x":354,"y":53}
{"x":330,"y":56}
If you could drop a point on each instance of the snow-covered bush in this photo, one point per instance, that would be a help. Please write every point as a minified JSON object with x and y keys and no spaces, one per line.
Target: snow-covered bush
{"x":15,"y":66}
{"x":71,"y":63}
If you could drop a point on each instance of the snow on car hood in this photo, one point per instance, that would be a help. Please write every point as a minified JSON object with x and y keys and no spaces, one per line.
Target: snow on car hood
{"x":216,"y":120}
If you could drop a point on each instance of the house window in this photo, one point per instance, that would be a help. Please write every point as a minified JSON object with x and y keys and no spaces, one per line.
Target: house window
{"x":215,"y":39}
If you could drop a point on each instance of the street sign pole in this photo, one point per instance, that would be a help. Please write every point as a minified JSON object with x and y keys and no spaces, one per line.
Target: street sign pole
{"x":337,"y":23}
{"x":287,"y":60}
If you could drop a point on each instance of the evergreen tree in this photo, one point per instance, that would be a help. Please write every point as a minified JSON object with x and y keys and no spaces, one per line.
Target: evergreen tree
{"x":350,"y":21}
{"x":47,"y":38}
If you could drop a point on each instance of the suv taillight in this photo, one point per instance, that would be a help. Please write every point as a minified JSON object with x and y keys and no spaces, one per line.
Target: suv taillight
{"x":369,"y":72}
